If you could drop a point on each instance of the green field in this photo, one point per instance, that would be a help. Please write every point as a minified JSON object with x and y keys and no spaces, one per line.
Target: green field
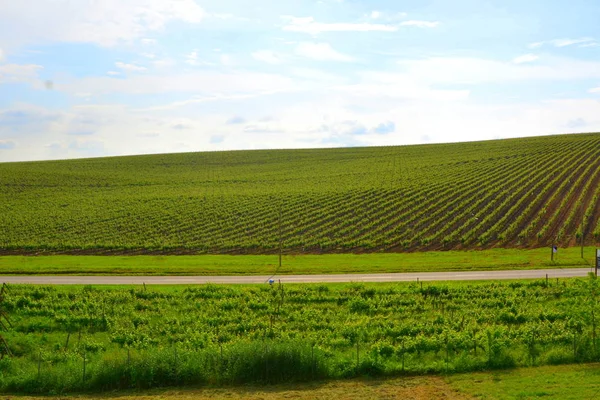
{"x":528,"y":192}
{"x":142,"y":337}
{"x":481,"y":260}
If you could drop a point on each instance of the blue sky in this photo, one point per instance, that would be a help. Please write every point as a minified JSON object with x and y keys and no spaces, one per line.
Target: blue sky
{"x":113,"y":77}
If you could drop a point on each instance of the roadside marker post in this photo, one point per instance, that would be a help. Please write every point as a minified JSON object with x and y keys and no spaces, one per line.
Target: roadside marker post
{"x":597,"y":260}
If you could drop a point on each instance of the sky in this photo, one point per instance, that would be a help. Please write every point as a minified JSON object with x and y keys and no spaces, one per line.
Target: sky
{"x":89,"y":78}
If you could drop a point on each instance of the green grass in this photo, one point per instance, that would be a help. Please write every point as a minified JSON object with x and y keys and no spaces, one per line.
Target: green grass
{"x":482,"y":260}
{"x":528,"y":192}
{"x":569,"y":382}
{"x":143,"y":337}
{"x":566,"y":382}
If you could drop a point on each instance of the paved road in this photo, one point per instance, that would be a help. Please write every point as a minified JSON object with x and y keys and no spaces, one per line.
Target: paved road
{"x":395,"y":277}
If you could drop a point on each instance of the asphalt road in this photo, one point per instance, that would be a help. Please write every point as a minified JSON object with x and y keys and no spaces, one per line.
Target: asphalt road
{"x":332,"y":278}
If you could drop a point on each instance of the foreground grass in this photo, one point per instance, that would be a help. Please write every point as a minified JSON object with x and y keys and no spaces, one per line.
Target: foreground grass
{"x":548,"y":382}
{"x":494,"y":259}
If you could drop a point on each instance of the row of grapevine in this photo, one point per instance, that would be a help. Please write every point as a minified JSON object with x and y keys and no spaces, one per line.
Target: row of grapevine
{"x":531,"y":191}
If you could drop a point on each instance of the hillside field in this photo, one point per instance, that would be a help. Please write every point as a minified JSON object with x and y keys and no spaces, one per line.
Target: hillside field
{"x":523,"y":193}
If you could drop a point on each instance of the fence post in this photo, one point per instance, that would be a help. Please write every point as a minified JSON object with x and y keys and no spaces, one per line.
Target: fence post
{"x":67,"y":342}
{"x":447,"y":352}
{"x":312,"y":362}
{"x":574,"y":345}
{"x":176,"y":369}
{"x":267,"y":362}
{"x":403,"y":352}
{"x":357,"y":355}
{"x":84,"y":362}
{"x":490,"y":340}
{"x":594,"y":332}
{"x":39,"y":365}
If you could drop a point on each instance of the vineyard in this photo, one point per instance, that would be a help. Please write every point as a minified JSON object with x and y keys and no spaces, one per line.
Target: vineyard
{"x":529,"y":192}
{"x":64,"y":339}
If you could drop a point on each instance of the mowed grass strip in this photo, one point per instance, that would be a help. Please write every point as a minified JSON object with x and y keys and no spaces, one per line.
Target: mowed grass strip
{"x":565,"y":382}
{"x":483,"y":260}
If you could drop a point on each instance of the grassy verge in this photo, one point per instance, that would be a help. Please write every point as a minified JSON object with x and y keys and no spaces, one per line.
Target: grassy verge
{"x":494,"y":259}
{"x":549,"y":382}
{"x":565,"y":382}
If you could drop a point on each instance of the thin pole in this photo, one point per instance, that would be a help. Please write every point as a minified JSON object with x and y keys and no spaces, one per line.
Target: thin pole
{"x":582,"y":233}
{"x":280,"y":239}
{"x":357,"y":355}
{"x":39,"y":365}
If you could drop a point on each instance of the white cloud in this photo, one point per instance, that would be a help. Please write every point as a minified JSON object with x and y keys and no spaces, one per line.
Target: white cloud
{"x":525,"y":58}
{"x":321,"y":52}
{"x":570,"y":42}
{"x":320,"y":121}
{"x":459,"y":70}
{"x":148,"y":55}
{"x":206,"y":99}
{"x":19,"y":73}
{"x":129,"y":67}
{"x":148,"y":41}
{"x":7,"y":145}
{"x":227,"y":60}
{"x":1,"y":55}
{"x":192,"y":58}
{"x":582,"y":42}
{"x":163,"y":63}
{"x":106,"y":22}
{"x":113,"y":73}
{"x":199,"y":82}
{"x":594,"y":90}
{"x":386,"y":16}
{"x":267,"y":56}
{"x":317,"y":76}
{"x":227,"y":17}
{"x":396,"y":87}
{"x":420,"y":24}
{"x":309,"y":25}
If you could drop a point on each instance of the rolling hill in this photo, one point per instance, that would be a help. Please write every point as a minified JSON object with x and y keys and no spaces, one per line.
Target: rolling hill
{"x":528,"y":192}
